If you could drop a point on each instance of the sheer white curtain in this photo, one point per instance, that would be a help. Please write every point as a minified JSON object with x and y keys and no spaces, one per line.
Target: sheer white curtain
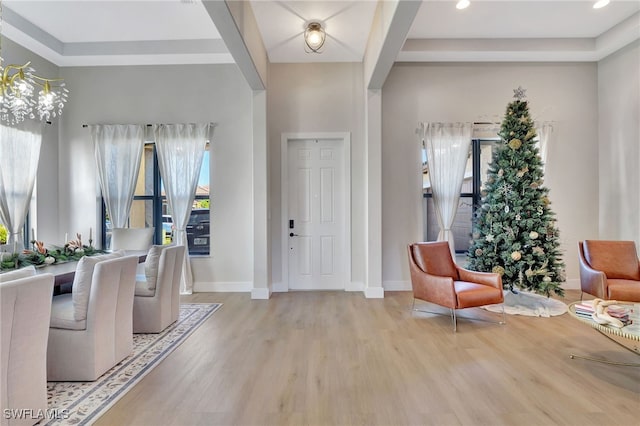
{"x":180,"y":151}
{"x":544,"y":131}
{"x":19,"y":156}
{"x":447,"y":148}
{"x":118,"y":151}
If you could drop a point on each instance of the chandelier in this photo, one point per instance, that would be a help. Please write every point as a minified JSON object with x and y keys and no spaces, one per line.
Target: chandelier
{"x":23,"y":94}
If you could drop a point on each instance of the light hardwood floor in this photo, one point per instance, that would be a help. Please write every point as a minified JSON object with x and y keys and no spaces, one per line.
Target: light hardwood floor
{"x":335,"y":358}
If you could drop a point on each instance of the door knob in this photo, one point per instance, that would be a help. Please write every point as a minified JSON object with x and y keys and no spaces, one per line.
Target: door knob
{"x":293,"y":235}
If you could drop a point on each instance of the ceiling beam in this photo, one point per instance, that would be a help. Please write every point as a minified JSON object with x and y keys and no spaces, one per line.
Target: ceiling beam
{"x":239,"y":30}
{"x":392,"y":23}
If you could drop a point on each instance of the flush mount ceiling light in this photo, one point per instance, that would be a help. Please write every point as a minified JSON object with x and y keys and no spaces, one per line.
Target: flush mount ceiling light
{"x":314,"y":37}
{"x":463,"y":4}
{"x":600,"y":3}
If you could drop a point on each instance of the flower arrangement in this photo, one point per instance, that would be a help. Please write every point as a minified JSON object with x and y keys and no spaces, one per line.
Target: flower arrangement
{"x":42,"y":256}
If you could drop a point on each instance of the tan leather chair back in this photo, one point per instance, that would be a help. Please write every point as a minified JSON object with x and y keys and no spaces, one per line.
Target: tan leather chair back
{"x":617,"y":259}
{"x":434,"y":258}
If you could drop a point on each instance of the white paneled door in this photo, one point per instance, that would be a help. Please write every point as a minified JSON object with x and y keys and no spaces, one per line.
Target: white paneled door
{"x":316,"y":214}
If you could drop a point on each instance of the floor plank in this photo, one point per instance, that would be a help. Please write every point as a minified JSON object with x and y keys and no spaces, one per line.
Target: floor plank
{"x":335,"y":358}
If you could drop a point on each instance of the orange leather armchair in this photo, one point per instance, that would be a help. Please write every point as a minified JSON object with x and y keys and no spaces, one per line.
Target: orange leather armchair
{"x":610,"y":269}
{"x":436,"y":278}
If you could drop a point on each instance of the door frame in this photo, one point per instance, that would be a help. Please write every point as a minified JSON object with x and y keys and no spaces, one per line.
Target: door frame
{"x":345,"y":138}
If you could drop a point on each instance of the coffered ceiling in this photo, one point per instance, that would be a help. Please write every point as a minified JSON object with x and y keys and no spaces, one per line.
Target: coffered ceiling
{"x":117,"y":32}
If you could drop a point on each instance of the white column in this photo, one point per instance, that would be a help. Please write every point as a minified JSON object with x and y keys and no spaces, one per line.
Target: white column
{"x":261,"y":264}
{"x":373,"y":257}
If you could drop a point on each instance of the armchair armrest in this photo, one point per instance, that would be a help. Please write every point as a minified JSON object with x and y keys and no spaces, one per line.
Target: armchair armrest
{"x":431,"y":288}
{"x":435,"y":289}
{"x":593,"y":281}
{"x":486,"y":278}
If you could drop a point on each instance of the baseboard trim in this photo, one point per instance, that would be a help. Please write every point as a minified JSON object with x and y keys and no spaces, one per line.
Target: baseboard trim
{"x":354,"y":286}
{"x":260,"y":293}
{"x":396,"y":285}
{"x":374,"y":293}
{"x":222,"y":287}
{"x":280,"y":288}
{"x":571,"y":284}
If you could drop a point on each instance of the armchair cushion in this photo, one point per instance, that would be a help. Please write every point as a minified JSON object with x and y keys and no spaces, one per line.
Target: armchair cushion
{"x":151,"y":266}
{"x":617,"y":259}
{"x":472,"y":294}
{"x":62,"y":314}
{"x":627,"y":290}
{"x":142,"y":289}
{"x":82,"y":283}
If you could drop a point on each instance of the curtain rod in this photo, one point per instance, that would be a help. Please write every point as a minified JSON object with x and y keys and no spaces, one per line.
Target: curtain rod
{"x":150,"y":125}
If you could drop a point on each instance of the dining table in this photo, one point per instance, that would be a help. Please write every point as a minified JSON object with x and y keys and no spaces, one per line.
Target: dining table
{"x":64,"y":272}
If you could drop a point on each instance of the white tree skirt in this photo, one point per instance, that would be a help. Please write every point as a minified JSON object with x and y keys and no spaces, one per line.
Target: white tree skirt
{"x":529,"y":304}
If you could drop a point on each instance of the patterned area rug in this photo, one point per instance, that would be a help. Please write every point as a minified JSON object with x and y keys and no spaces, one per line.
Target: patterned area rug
{"x":528,"y":304}
{"x":82,"y":403}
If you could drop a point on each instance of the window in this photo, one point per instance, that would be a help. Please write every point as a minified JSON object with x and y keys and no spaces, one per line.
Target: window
{"x":475,"y":175}
{"x":150,"y":207}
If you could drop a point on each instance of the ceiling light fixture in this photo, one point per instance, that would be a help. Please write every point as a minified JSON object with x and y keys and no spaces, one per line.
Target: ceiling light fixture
{"x":463,"y":4}
{"x":18,"y":99}
{"x":600,"y":3}
{"x":314,"y":37}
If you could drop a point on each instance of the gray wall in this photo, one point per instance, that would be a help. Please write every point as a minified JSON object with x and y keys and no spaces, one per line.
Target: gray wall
{"x":619,"y":148}
{"x":592,"y":169}
{"x":563,"y":93}
{"x":318,"y":97}
{"x":167,"y":94}
{"x":45,"y":215}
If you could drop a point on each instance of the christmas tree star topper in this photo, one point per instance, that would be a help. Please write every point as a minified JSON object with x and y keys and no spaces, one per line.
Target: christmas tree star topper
{"x":519,"y":93}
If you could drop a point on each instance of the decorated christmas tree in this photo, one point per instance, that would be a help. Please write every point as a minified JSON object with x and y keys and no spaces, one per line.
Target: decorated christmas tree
{"x":515,"y":232}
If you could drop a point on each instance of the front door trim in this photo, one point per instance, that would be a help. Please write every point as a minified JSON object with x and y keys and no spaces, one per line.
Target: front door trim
{"x":345,"y":137}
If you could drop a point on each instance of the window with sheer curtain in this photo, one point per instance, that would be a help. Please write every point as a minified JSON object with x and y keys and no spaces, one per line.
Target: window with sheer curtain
{"x":475,"y":175}
{"x":150,"y":207}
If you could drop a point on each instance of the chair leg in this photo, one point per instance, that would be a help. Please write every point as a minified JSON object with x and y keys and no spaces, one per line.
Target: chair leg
{"x":413,"y":304}
{"x":504,"y":316}
{"x":455,"y":322}
{"x":581,"y":294}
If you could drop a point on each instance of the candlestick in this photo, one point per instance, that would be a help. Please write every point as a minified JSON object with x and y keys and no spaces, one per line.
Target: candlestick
{"x":66,"y":238}
{"x":90,"y":237}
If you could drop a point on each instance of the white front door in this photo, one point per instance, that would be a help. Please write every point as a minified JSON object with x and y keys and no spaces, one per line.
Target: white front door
{"x":316,"y":214}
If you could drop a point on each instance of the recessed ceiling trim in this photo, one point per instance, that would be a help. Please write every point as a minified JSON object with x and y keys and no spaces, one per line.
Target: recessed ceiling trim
{"x":500,"y":45}
{"x":136,"y":60}
{"x":519,"y":50}
{"x":139,"y":52}
{"x":16,"y":22}
{"x":498,"y":56}
{"x":142,"y":47}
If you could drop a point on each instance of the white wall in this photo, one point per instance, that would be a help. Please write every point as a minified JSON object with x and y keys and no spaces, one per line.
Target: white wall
{"x":168,"y":94}
{"x":563,"y":93}
{"x":322,"y":97}
{"x":619,"y":149}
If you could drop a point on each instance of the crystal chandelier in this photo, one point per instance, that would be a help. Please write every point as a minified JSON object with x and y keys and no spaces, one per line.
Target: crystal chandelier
{"x":18,"y":97}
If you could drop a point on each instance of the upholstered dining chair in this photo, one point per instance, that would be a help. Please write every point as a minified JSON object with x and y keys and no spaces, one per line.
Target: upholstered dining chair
{"x":156,"y":304}
{"x":131,"y":238}
{"x":609,"y":270}
{"x":437,"y":279}
{"x":25,"y":309}
{"x":92,"y":327}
